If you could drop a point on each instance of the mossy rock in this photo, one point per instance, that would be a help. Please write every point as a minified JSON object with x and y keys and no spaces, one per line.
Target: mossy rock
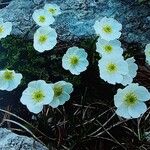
{"x":18,"y":54}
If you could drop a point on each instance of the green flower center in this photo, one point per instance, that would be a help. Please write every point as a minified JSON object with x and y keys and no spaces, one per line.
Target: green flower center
{"x":111,"y":68}
{"x":38,"y":96}
{"x":74,"y":60}
{"x":108,"y":48}
{"x":52,"y":10}
{"x":8,"y":75}
{"x":42,"y":19}
{"x":130,"y":99}
{"x":43,"y":39}
{"x":57,"y":91}
{"x":1,"y":29}
{"x":107,"y":29}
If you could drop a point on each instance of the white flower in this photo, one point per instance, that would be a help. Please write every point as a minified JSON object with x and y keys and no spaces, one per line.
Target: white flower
{"x":147,"y":53}
{"x":75,"y":60}
{"x":9,"y":80}
{"x":5,"y":28}
{"x":133,"y":67}
{"x":130,"y":101}
{"x":109,"y":47}
{"x":108,"y":28}
{"x":42,"y":17}
{"x":112,"y":69}
{"x":53,"y":9}
{"x":45,"y":38}
{"x":62,"y":91}
{"x":37,"y":94}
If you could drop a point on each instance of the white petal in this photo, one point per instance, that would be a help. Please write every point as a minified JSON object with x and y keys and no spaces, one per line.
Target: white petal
{"x":63,"y":98}
{"x":68,"y":88}
{"x":26,"y":98}
{"x":7,"y":29}
{"x":74,"y":71}
{"x":55,"y":103}
{"x":35,"y":109}
{"x":126,"y":80}
{"x":137,"y":110}
{"x":132,"y":67}
{"x":97,"y":27}
{"x":123,"y":67}
{"x":36,"y":84}
{"x":81,"y":53}
{"x":82,"y":66}
{"x":15,"y":82}
{"x":114,"y":78}
{"x":53,"y":6}
{"x":142,"y":93}
{"x":51,"y":39}
{"x":1,"y":20}
{"x":118,"y":98}
{"x":123,"y":111}
{"x":48,"y":17}
{"x":49,"y":94}
{"x":3,"y":84}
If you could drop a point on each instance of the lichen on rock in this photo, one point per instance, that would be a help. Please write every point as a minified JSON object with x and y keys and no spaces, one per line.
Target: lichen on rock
{"x":78,"y":17}
{"x":12,"y":141}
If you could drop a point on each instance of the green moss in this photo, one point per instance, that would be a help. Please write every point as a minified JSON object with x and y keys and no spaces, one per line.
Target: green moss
{"x":141,"y":1}
{"x":18,"y":54}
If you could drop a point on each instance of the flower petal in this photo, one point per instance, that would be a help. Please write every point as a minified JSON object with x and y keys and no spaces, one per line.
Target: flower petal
{"x":35,"y":108}
{"x":137,"y":110}
{"x":123,"y":111}
{"x":55,"y":103}
{"x":63,"y":98}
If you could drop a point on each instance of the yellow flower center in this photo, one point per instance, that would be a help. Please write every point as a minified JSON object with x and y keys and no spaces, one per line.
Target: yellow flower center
{"x":107,"y":29}
{"x":111,"y":68}
{"x":74,"y":60}
{"x":38,"y":96}
{"x":42,"y":19}
{"x":1,"y":29}
{"x":8,"y":75}
{"x":52,"y":10}
{"x":43,"y":39}
{"x":57,"y":90}
{"x":130,"y":99}
{"x":108,"y":48}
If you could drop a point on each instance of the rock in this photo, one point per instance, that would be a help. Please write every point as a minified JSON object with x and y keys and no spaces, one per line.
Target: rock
{"x":78,"y":17}
{"x":12,"y":141}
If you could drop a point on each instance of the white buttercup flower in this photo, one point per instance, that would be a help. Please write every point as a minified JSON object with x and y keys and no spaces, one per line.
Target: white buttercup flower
{"x":147,"y":53}
{"x":53,"y":9}
{"x":62,"y":91}
{"x":5,"y":28}
{"x":42,"y":17}
{"x":109,"y":47}
{"x":112,"y":69}
{"x":133,"y":67}
{"x":45,"y":38}
{"x":108,"y":28}
{"x":9,"y":80}
{"x":75,"y":60}
{"x":37,"y":94}
{"x":130,"y":101}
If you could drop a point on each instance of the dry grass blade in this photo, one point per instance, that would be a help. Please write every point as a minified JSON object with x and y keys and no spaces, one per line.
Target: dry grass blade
{"x":7,"y":112}
{"x":115,"y":125}
{"x":115,"y":140}
{"x":93,"y":119}
{"x":103,"y":125}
